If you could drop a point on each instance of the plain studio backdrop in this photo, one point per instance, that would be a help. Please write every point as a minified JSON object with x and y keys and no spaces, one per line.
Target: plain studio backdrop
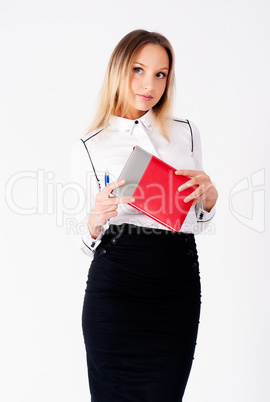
{"x":53,"y":58}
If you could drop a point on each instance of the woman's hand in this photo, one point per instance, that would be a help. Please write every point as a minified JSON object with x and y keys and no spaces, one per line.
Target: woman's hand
{"x":105,"y":208}
{"x":205,"y":191}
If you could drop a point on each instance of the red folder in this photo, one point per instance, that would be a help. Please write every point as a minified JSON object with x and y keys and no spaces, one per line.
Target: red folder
{"x":154,"y":185}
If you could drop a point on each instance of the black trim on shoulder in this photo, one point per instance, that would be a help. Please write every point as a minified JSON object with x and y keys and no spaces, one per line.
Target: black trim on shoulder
{"x":93,"y":135}
{"x":181,"y":121}
{"x":191,"y":132}
{"x":94,"y":170}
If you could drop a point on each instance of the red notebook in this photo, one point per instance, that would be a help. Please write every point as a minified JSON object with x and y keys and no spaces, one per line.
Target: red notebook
{"x":154,"y":185}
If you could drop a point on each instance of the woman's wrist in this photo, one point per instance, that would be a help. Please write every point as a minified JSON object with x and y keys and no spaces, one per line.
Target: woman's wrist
{"x":94,"y":230}
{"x":209,"y":203}
{"x":207,"y":206}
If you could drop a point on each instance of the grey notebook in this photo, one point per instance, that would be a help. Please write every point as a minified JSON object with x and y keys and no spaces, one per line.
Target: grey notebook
{"x":133,"y":171}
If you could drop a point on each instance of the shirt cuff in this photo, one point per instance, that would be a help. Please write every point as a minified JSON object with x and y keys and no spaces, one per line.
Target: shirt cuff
{"x":204,"y":216}
{"x":91,"y":243}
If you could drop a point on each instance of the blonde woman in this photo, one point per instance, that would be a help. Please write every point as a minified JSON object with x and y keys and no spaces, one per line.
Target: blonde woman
{"x":142,"y":301}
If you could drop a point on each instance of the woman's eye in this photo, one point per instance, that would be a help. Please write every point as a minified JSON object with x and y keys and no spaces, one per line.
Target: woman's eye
{"x":161,"y":75}
{"x":138,"y":70}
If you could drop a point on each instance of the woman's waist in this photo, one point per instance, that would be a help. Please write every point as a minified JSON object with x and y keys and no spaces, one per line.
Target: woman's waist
{"x":129,"y":215}
{"x":147,"y":236}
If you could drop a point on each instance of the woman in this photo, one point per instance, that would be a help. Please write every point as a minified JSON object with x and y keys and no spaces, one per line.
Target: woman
{"x":142,"y":302}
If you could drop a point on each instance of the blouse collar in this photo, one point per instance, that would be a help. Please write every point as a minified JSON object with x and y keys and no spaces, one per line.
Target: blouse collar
{"x":127,"y":125}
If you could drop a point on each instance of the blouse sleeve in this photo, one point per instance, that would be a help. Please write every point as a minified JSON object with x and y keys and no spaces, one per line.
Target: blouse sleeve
{"x":83,"y":198}
{"x":203,"y":217}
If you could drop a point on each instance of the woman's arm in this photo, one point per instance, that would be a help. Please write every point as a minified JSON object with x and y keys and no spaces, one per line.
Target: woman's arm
{"x":105,"y":208}
{"x":205,"y":192}
{"x":205,"y":196}
{"x":94,"y":208}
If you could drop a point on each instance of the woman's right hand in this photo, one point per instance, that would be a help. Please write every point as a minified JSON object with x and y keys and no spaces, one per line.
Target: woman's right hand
{"x":105,"y":208}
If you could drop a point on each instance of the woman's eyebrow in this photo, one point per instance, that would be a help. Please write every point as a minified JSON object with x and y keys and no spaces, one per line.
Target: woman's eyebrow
{"x":143,"y":65}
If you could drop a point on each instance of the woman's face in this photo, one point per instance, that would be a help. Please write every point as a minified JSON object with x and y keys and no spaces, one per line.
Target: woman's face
{"x":148,"y":80}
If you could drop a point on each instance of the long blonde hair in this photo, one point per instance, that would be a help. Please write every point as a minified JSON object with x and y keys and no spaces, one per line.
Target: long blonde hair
{"x":114,"y":91}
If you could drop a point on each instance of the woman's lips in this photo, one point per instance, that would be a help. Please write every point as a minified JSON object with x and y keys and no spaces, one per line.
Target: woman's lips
{"x":145,"y":97}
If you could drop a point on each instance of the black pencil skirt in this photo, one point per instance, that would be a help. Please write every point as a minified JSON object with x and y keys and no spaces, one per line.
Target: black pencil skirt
{"x":140,"y":315}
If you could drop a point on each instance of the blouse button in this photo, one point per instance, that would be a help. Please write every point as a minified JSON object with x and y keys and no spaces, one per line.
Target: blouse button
{"x":190,"y":253}
{"x":195,"y":266}
{"x":136,"y":122}
{"x":114,"y":240}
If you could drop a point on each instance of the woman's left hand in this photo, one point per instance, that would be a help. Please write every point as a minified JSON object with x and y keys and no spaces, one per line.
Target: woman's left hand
{"x":205,"y":191}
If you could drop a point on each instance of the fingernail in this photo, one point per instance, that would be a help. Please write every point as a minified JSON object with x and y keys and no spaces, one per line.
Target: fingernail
{"x":180,"y":188}
{"x":187,"y":199}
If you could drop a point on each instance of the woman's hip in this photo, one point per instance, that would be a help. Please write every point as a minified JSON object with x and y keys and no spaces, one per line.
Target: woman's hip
{"x":138,"y":261}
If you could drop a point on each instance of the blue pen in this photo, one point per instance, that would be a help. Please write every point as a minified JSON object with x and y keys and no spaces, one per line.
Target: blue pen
{"x":107,"y":177}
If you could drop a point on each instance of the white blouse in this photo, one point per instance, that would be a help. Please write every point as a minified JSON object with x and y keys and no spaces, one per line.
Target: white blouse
{"x":109,"y":148}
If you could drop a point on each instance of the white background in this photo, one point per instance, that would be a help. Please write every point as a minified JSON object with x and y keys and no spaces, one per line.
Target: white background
{"x":53,"y":58}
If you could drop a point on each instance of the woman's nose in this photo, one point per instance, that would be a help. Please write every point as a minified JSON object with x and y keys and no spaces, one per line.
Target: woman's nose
{"x":148,"y":83}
